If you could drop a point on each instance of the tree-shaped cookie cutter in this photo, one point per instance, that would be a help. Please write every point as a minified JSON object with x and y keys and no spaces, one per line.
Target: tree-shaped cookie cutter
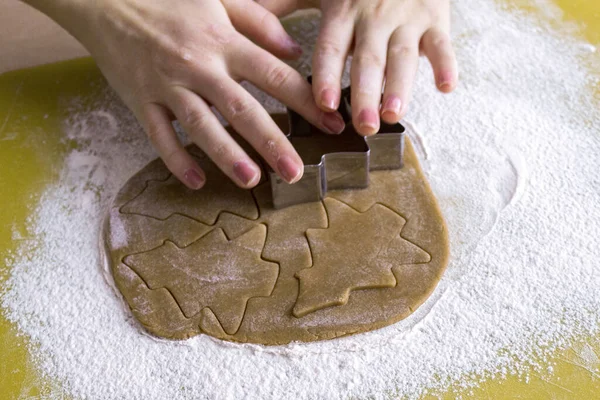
{"x":347,"y":162}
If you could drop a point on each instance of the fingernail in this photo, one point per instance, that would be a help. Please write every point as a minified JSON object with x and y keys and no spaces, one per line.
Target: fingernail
{"x":445,"y":80}
{"x":392,"y":105}
{"x":368,"y":121}
{"x":245,"y":172}
{"x":333,"y":122}
{"x":445,"y":86}
{"x":329,"y":99}
{"x":297,"y":50}
{"x":293,"y":46}
{"x":289,"y":170}
{"x":194,"y":179}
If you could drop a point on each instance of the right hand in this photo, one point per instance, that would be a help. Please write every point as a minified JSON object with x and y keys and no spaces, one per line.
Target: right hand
{"x":176,"y":58}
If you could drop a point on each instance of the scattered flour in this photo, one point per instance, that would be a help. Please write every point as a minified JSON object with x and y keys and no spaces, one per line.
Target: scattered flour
{"x":513,"y":157}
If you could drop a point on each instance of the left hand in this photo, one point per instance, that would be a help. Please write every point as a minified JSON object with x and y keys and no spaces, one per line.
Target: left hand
{"x":387,"y":36}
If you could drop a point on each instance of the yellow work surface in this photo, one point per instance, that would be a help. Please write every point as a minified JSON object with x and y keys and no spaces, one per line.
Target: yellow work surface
{"x":31,"y":152}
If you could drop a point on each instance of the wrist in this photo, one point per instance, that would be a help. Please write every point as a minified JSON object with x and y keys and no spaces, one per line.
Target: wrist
{"x":70,"y":14}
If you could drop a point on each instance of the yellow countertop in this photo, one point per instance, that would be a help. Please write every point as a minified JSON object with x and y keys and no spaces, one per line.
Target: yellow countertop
{"x":28,"y":165}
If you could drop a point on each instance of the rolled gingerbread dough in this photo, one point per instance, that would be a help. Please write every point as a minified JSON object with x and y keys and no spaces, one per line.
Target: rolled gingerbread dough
{"x":222,"y":261}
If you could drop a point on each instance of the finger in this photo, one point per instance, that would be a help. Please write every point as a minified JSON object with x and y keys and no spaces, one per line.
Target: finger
{"x":253,"y":123}
{"x":155,"y":120}
{"x":262,"y":26}
{"x":368,"y":68}
{"x":402,"y":64}
{"x":206,"y":131}
{"x":285,"y":84}
{"x":436,"y":45}
{"x":278,"y":7}
{"x":329,"y":58}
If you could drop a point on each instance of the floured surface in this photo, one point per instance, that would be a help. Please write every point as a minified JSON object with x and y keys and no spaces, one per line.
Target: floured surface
{"x":255,"y":274}
{"x":512,"y":158}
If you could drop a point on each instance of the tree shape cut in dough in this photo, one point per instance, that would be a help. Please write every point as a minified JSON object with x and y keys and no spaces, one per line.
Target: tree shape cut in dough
{"x":343,"y":260}
{"x":161,"y":199}
{"x":212,"y":272}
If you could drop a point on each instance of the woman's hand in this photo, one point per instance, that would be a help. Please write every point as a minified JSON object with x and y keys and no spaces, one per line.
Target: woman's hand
{"x":178,"y":57}
{"x":386,"y":37}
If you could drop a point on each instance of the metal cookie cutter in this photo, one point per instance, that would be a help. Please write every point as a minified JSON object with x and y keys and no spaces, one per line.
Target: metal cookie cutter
{"x":345,"y":161}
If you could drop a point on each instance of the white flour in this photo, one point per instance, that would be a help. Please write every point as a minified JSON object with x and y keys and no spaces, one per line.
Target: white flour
{"x":513,"y":157}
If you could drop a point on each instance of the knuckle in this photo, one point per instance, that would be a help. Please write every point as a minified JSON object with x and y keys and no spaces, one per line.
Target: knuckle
{"x":167,"y":59}
{"x":154,"y":133}
{"x":181,"y":55}
{"x":368,"y":58}
{"x":196,"y":119}
{"x":219,"y":151}
{"x":270,"y":147}
{"x":374,"y":10}
{"x":403,"y":50}
{"x":278,"y":76}
{"x":219,"y":34}
{"x":329,"y":48}
{"x":172,"y":155}
{"x":173,"y":61}
{"x":222,"y":154}
{"x":440,"y":40}
{"x":239,"y":108}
